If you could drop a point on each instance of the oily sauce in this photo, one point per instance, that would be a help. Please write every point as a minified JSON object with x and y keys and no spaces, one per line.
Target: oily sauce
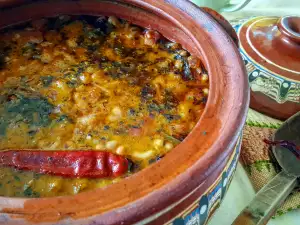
{"x":82,"y":83}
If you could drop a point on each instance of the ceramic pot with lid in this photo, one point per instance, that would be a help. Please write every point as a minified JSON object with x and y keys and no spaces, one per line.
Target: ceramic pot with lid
{"x":270,"y":47}
{"x":188,"y":184}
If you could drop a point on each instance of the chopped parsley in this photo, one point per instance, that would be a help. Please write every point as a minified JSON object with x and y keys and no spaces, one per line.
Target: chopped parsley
{"x":28,"y":192}
{"x":46,"y":80}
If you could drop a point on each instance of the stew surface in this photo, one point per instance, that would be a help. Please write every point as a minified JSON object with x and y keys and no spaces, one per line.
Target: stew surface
{"x":91,"y":84}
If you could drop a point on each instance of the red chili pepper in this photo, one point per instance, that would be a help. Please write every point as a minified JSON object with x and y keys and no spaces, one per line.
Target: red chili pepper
{"x":285,"y":144}
{"x":91,"y":164}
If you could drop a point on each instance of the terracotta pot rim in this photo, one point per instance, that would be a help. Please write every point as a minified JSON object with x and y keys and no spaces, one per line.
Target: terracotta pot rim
{"x":224,"y":139}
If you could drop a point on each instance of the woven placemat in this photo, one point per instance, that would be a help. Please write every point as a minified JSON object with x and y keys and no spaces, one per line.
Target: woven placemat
{"x":256,"y":158}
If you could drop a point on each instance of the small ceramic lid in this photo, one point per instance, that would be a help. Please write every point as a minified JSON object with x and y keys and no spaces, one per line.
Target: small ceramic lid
{"x":270,"y":47}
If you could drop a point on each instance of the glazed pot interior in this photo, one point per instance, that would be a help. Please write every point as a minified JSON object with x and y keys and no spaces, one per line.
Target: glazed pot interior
{"x":186,"y":167}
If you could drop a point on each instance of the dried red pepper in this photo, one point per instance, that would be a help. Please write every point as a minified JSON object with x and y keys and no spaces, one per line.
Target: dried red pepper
{"x":286,"y":144}
{"x":90,"y":164}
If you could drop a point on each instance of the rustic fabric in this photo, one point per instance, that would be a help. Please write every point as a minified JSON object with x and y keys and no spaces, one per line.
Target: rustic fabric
{"x":257,"y":158}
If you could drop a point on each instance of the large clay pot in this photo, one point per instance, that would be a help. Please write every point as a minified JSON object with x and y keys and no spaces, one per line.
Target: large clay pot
{"x":189,"y":182}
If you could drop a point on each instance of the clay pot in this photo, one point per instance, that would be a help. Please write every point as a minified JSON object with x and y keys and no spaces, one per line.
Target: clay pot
{"x":189,"y":182}
{"x":270,"y":48}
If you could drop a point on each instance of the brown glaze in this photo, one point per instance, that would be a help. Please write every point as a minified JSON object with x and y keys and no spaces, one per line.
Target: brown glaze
{"x":5,"y":3}
{"x":290,"y":29}
{"x":264,"y":41}
{"x":190,"y":199}
{"x":191,"y":166}
{"x":273,"y":44}
{"x":223,"y":22}
{"x":268,"y":106}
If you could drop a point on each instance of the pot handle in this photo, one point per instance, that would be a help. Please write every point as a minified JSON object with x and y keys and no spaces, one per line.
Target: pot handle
{"x":289,"y":26}
{"x":223,"y":22}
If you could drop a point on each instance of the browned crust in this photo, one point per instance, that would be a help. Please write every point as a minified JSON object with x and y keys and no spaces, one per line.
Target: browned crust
{"x":264,"y":104}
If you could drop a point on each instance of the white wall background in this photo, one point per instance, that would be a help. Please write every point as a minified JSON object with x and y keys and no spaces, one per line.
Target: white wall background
{"x":272,"y":7}
{"x":257,"y":7}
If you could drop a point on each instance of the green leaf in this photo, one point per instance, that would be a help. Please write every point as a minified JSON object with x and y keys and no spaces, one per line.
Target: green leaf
{"x":17,"y":178}
{"x":46,"y":80}
{"x":171,"y":138}
{"x":28,"y":192}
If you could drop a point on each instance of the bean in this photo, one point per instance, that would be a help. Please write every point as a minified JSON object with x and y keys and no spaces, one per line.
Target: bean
{"x":180,"y":128}
{"x":113,"y":118}
{"x":169,"y":146}
{"x":184,"y":109}
{"x":111,"y":144}
{"x":85,"y":78}
{"x":151,"y":37}
{"x":6,"y":59}
{"x":114,"y":21}
{"x":133,"y":32}
{"x":120,"y":150}
{"x":88,"y":137}
{"x":72,"y":43}
{"x":158,"y":143}
{"x":198,"y":71}
{"x":178,"y":64}
{"x":95,"y":141}
{"x":55,"y":185}
{"x":174,"y":46}
{"x":205,"y":91}
{"x":204,"y":77}
{"x":90,"y":69}
{"x":117,"y":111}
{"x":79,"y":185}
{"x":88,"y":119}
{"x":143,"y":155}
{"x":183,"y":53}
{"x":17,"y":36}
{"x":116,"y":114}
{"x":100,"y":146}
{"x":47,"y":56}
{"x":193,"y":62}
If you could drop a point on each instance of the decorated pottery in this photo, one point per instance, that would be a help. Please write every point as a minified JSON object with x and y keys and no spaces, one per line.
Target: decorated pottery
{"x":270,"y":50}
{"x":187,"y":185}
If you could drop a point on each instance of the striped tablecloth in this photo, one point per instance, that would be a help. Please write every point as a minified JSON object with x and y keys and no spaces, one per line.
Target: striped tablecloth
{"x":255,"y":156}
